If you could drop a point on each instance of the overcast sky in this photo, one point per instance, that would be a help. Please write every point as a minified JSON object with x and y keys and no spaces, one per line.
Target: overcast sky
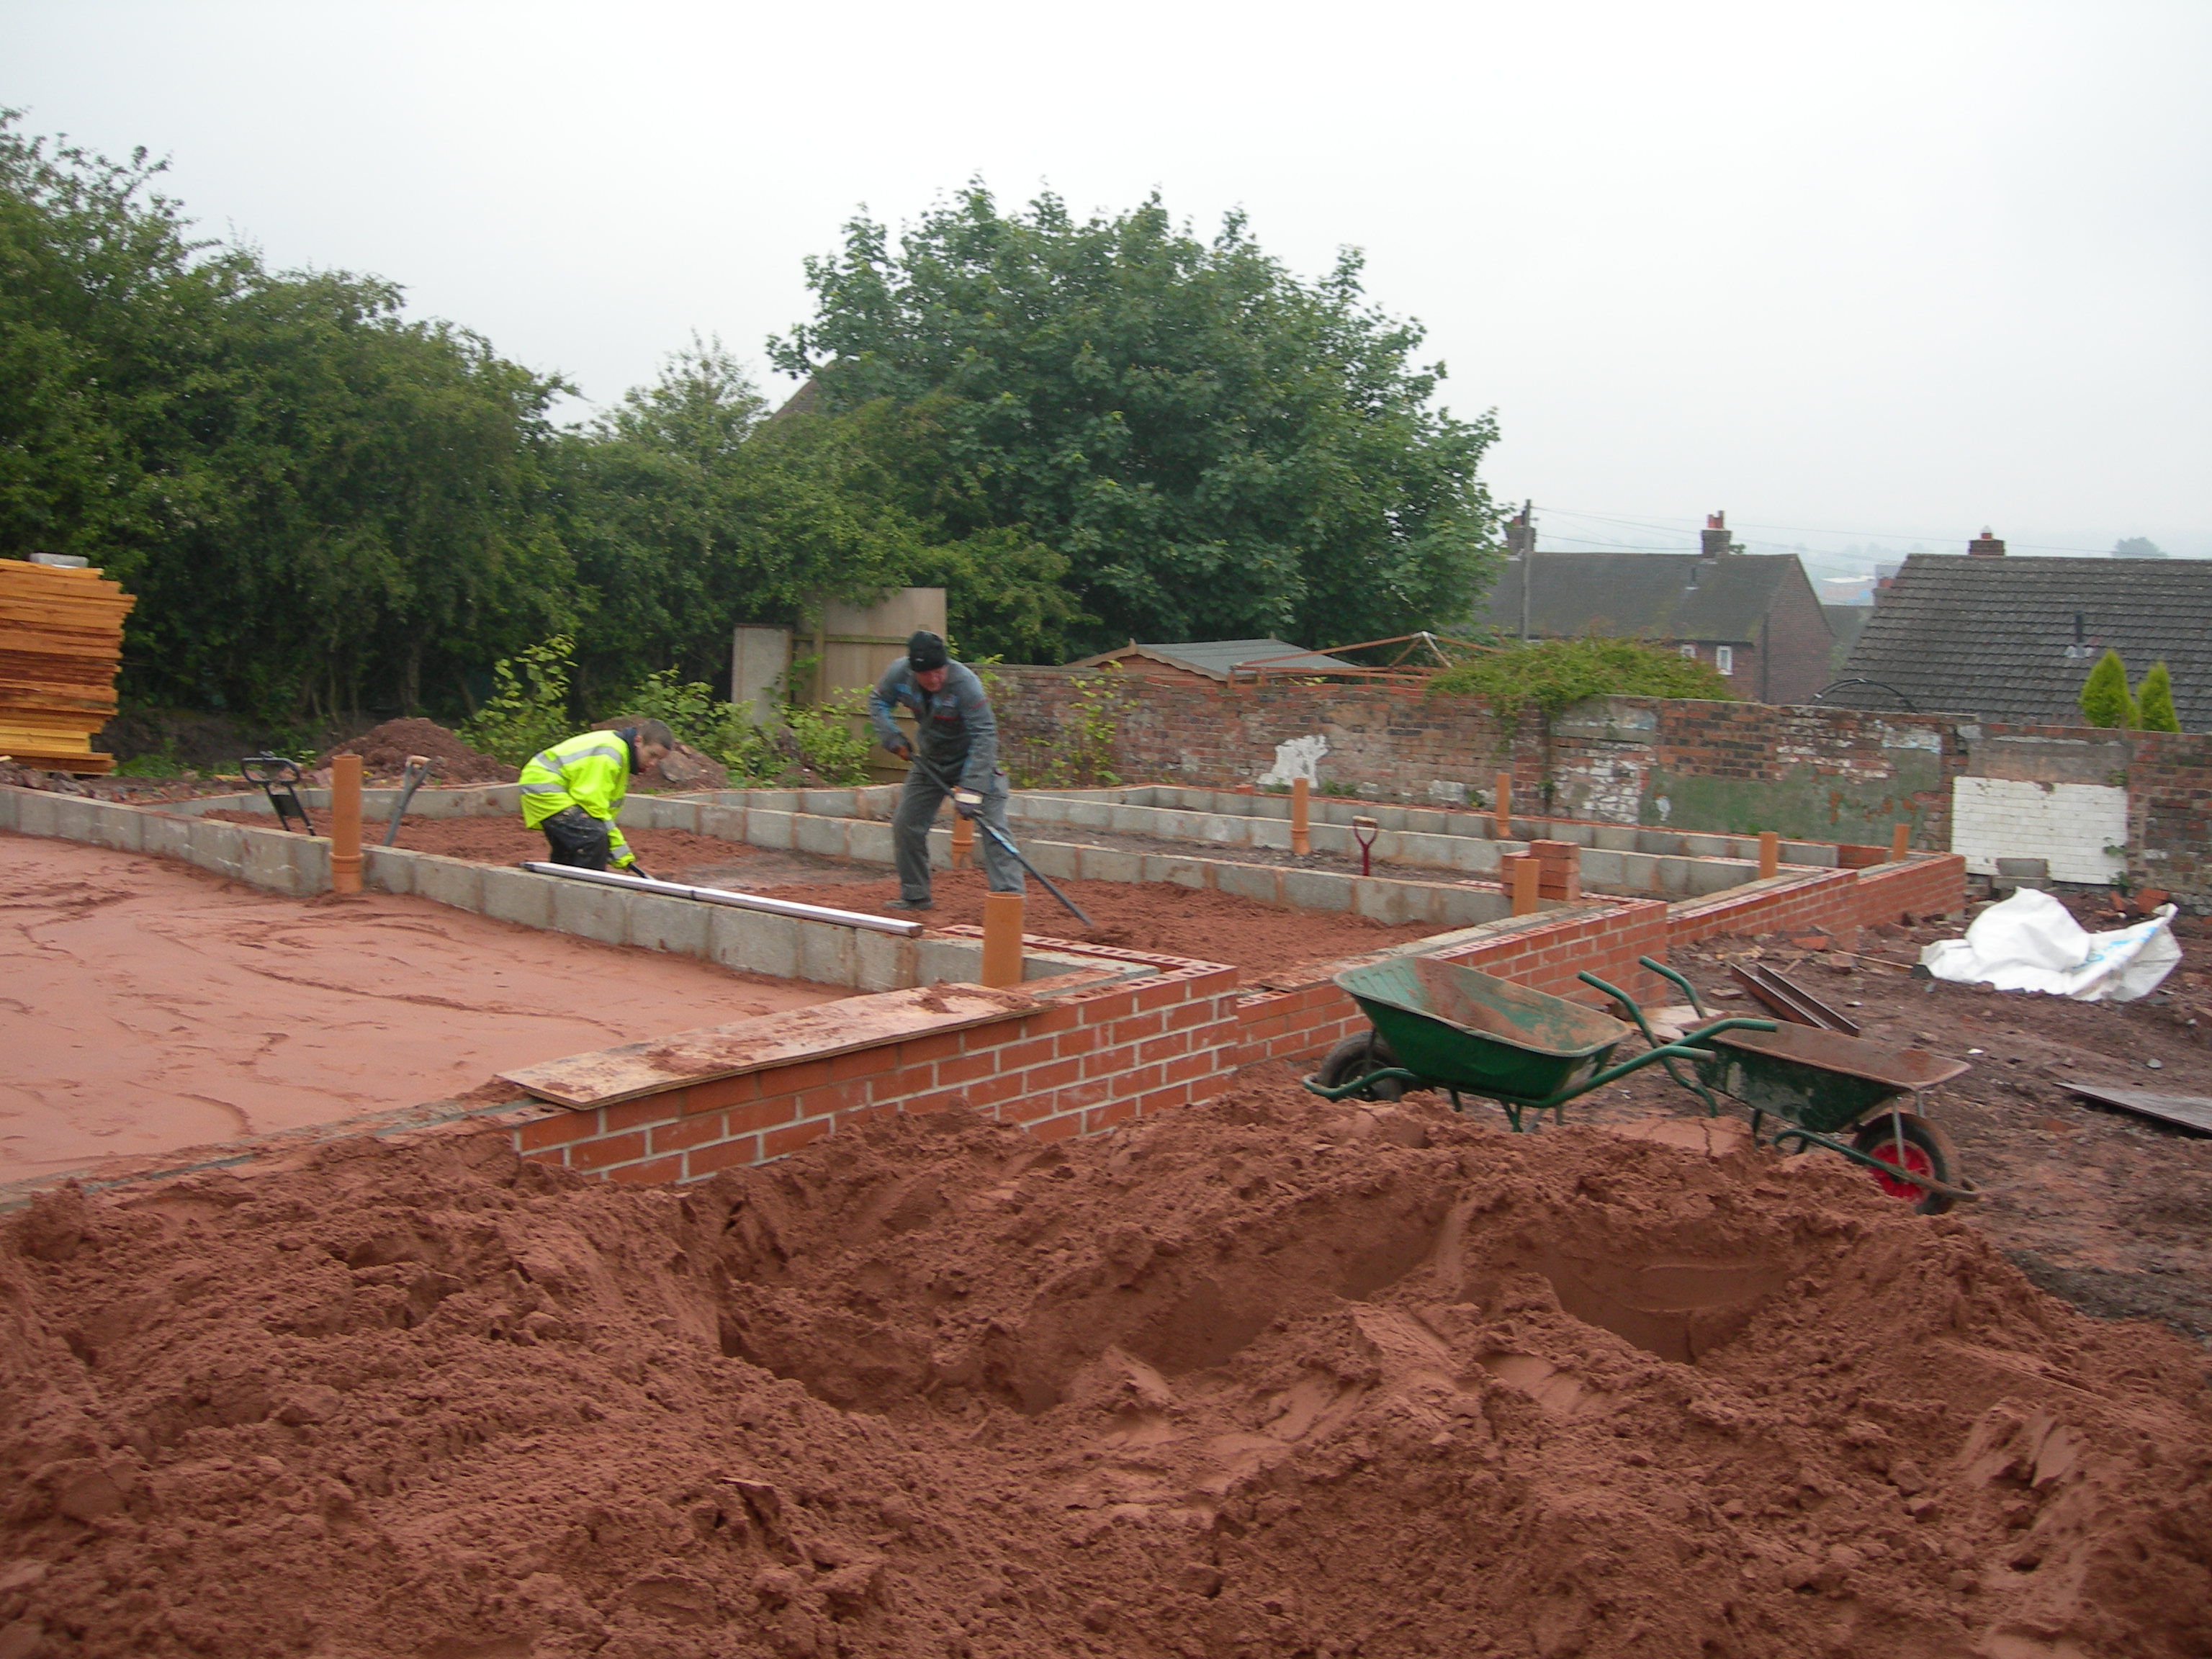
{"x":1875,"y":271}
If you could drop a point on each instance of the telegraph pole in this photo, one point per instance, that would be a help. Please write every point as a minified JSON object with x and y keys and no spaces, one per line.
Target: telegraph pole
{"x":1521,"y":542}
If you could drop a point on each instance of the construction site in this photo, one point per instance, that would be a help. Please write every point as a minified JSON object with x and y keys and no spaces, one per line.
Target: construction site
{"x":413,"y":1248}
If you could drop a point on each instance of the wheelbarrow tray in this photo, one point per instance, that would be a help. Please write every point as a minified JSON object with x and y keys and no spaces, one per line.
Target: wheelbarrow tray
{"x":1466,"y":1030}
{"x":1822,"y":1079}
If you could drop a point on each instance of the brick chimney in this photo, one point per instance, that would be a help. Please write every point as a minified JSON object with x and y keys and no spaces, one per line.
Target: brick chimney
{"x":1521,"y":532}
{"x":1985,"y":545}
{"x":1713,"y":540}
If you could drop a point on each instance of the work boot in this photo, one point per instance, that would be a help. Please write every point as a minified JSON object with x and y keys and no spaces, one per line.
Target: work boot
{"x":911,"y":904}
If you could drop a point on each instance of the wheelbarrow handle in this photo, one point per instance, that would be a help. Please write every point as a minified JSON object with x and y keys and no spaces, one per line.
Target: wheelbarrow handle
{"x":1666,"y":973}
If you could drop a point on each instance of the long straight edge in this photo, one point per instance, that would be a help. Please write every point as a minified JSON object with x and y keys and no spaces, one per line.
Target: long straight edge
{"x":735,"y":901}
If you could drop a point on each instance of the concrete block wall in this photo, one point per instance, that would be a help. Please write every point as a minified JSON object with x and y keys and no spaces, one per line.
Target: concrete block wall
{"x":1095,"y":1057}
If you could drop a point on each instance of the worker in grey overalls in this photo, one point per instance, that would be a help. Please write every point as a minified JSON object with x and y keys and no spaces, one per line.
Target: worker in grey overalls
{"x":956,"y":752}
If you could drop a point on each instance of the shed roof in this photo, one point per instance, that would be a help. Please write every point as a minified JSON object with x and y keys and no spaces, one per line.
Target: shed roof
{"x":1215,"y":658}
{"x":1992,"y":636}
{"x":1644,"y":596}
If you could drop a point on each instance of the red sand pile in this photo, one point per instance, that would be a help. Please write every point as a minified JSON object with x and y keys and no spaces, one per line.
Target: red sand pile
{"x":1264,"y":1378}
{"x":1270,"y":940}
{"x":384,"y":751}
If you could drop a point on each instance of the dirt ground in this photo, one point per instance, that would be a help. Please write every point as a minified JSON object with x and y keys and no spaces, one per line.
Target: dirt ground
{"x":1264,"y":1377}
{"x":1270,"y":942}
{"x":2110,"y":1211}
{"x":672,"y":854}
{"x":147,"y":1006}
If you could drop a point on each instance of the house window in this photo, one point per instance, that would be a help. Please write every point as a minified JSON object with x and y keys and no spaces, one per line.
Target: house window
{"x":1724,"y":659}
{"x":1689,"y":651}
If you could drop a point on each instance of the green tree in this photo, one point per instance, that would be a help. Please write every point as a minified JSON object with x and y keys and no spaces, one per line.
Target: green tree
{"x":2138,"y":547}
{"x":2155,"y":710}
{"x":2104,"y":700}
{"x":1214,"y":447}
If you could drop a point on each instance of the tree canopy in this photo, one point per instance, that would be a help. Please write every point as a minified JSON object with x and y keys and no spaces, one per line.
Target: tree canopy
{"x":1215,"y":448}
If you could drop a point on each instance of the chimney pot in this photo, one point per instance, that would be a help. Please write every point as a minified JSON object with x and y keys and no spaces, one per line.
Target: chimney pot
{"x":1713,"y":540}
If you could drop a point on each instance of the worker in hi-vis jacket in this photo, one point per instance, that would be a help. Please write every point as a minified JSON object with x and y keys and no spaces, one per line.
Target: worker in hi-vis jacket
{"x":572,"y":791}
{"x":956,"y":753}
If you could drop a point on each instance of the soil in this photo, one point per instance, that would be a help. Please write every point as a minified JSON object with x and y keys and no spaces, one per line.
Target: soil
{"x":672,"y":854}
{"x":2110,"y":1211}
{"x":147,"y":1006}
{"x":384,"y":750}
{"x":1264,"y":1377}
{"x":1270,"y":942}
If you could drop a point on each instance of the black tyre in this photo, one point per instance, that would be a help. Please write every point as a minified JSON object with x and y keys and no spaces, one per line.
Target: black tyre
{"x":1354,"y":1058}
{"x":1926,"y":1150}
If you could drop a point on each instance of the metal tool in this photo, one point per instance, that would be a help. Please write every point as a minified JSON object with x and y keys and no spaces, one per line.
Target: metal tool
{"x":1790,"y":999}
{"x":417,"y":770}
{"x":1005,"y":840}
{"x":279,"y":780}
{"x":1363,"y":830}
{"x":772,"y":906}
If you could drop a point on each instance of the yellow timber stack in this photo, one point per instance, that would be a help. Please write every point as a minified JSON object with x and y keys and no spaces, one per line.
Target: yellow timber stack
{"x":61,"y":641}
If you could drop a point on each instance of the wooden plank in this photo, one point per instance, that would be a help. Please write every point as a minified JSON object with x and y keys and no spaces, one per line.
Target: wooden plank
{"x":54,"y":760}
{"x":609,"y":1075}
{"x":2192,"y":1112}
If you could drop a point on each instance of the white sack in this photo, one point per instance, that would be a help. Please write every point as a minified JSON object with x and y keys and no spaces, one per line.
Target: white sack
{"x":2029,"y":943}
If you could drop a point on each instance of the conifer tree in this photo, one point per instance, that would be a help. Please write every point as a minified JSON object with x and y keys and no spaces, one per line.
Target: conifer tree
{"x":2154,"y":701}
{"x":2105,"y":699}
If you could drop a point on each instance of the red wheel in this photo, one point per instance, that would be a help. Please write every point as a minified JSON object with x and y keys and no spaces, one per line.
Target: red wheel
{"x":1914,"y":1144}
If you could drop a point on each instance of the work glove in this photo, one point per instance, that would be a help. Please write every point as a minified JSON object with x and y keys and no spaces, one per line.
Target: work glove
{"x":966,"y":803}
{"x":901,"y":750}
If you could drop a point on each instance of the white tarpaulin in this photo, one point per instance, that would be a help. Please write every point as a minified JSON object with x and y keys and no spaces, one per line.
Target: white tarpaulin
{"x":2029,"y":943}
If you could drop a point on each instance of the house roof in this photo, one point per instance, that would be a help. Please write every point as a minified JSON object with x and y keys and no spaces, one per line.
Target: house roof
{"x":1847,"y":621}
{"x":1990,"y":636}
{"x":1644,"y":596}
{"x":1215,"y":658}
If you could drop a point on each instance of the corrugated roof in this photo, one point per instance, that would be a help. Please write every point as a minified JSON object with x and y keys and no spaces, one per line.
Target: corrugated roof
{"x":1215,"y":658}
{"x":1644,"y":596}
{"x":1990,"y":637}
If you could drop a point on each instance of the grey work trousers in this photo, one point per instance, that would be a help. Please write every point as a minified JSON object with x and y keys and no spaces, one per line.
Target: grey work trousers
{"x":910,"y":824}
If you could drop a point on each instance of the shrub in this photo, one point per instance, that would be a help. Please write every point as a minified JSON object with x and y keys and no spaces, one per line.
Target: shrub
{"x":714,"y":728}
{"x":1556,"y":674}
{"x":2155,"y":710}
{"x":529,"y":706}
{"x":2105,"y":699}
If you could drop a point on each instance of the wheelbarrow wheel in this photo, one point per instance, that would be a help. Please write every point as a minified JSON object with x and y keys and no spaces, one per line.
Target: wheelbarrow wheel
{"x":1927,"y":1151}
{"x":1354,"y":1058}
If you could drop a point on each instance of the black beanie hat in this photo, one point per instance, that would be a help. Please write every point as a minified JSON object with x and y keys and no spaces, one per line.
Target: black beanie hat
{"x":926,"y":651}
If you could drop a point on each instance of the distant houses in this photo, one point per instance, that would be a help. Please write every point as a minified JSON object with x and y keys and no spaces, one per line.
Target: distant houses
{"x":1753,"y":616}
{"x":2012,"y":639}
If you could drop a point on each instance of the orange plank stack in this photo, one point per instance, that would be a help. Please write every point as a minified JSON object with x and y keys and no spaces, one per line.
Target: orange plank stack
{"x":61,"y":641}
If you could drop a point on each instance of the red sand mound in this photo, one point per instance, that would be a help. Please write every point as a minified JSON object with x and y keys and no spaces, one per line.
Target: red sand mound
{"x":384,"y":751}
{"x":1269,"y":940}
{"x":1266,"y":1377}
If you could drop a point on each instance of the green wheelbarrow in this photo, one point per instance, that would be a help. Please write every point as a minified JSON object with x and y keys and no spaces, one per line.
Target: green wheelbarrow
{"x":1823,"y":1085}
{"x":1437,"y":1026}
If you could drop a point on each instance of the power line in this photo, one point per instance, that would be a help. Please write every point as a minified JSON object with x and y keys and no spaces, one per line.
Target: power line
{"x":1808,"y":530}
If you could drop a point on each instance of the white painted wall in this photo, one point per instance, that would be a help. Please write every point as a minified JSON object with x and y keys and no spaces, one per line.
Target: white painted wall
{"x":2069,"y":824}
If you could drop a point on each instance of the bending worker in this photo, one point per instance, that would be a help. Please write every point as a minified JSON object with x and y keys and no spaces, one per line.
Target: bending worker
{"x":956,"y":752}
{"x":572,"y":791}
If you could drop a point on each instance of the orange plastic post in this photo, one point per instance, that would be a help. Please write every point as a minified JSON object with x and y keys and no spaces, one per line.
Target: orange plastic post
{"x":1900,"y":842}
{"x":1002,"y":939}
{"x":345,"y":824}
{"x":1502,"y":812}
{"x":1301,"y":838}
{"x":1527,"y":870}
{"x":964,"y":841}
{"x":1770,"y":852}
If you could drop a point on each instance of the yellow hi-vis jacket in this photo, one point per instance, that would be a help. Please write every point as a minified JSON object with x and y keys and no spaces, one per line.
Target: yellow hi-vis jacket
{"x":590,"y":770}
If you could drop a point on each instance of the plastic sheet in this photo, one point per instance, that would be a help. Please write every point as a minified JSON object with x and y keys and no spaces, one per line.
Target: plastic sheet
{"x":2030,"y":943}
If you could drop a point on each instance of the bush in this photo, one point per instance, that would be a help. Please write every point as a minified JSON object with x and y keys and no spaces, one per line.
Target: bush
{"x":826,"y":740}
{"x":529,"y":707}
{"x":718,"y":729}
{"x":2105,"y":699}
{"x":1555,"y":674}
{"x":2155,"y":710}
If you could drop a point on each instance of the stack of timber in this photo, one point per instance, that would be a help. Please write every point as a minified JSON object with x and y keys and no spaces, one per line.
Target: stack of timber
{"x":61,"y":641}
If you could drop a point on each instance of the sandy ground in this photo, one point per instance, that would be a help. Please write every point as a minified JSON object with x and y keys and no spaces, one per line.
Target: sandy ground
{"x":1270,"y":943}
{"x":149,"y":1006}
{"x":672,"y":854}
{"x":1263,"y":1379}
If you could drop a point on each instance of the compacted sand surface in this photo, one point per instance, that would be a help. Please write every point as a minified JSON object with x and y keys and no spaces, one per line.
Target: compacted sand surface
{"x":1262,"y":1377}
{"x":147,"y":1006}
